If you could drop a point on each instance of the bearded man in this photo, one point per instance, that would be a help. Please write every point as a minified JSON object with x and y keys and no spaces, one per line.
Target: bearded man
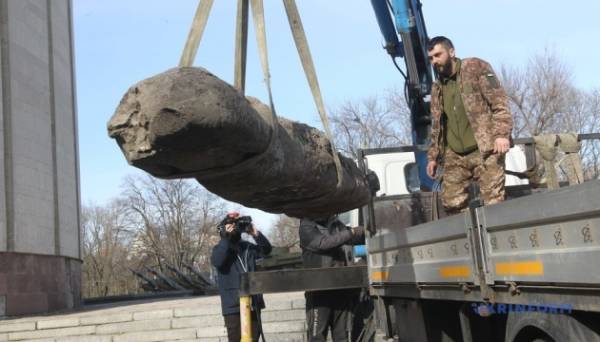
{"x":470,"y":129}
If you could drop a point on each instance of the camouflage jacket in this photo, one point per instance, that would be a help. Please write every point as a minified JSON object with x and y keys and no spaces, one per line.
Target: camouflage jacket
{"x":486,"y":106}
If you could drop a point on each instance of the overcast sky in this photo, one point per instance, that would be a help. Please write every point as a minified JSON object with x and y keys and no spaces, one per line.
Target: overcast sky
{"x":118,"y":43}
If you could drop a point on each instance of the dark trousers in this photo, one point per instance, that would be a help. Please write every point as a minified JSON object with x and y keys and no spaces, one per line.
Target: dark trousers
{"x":329,"y":310}
{"x":234,"y":327}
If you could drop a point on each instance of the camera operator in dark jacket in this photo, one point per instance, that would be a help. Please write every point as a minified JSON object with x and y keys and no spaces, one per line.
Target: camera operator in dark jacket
{"x":322,"y":242}
{"x":233,"y":256}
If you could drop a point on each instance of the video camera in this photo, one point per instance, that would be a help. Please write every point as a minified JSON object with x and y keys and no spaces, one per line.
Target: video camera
{"x":242,"y":223}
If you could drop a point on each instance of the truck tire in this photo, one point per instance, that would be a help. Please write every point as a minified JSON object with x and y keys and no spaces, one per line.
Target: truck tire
{"x":544,"y":327}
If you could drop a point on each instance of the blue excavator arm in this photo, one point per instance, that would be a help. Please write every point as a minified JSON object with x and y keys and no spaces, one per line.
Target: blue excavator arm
{"x":403,"y":28}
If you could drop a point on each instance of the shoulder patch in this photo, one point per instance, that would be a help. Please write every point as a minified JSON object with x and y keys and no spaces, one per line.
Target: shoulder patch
{"x":492,"y":80}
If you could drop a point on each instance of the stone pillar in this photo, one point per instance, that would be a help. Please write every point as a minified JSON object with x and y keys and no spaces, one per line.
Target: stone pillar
{"x":40,"y":253}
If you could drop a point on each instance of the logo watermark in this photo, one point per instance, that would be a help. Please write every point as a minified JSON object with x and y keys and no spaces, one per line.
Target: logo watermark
{"x":487,"y":309}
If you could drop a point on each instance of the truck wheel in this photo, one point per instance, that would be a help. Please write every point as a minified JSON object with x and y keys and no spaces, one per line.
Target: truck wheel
{"x":544,"y":327}
{"x":531,"y":334}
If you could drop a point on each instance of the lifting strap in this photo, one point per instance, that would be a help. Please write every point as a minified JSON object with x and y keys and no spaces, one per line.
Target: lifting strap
{"x":311,"y":75}
{"x":258,"y":17}
{"x":195,"y":35}
{"x":241,"y":43}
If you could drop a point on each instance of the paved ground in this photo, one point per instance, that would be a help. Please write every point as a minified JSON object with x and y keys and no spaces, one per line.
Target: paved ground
{"x":181,"y":319}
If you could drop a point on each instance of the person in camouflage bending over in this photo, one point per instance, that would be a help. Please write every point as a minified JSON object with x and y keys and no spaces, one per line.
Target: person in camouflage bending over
{"x":470,"y":129}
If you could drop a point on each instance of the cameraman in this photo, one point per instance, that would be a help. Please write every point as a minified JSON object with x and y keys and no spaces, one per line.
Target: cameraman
{"x":322,"y":242}
{"x":231,"y":257}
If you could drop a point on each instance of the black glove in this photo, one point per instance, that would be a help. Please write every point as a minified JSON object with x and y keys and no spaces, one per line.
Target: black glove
{"x":373,"y":182}
{"x":357,"y":231}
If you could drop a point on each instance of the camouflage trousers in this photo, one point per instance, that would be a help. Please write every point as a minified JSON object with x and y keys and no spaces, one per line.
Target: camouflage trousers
{"x":459,"y":170}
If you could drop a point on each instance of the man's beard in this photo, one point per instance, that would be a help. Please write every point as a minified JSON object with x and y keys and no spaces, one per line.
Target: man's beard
{"x":446,"y":69}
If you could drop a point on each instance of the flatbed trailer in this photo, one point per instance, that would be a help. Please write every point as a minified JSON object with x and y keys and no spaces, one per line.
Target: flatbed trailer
{"x":530,"y":260}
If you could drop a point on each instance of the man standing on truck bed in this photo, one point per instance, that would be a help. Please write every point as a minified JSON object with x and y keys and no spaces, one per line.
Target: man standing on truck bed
{"x":471,"y":126}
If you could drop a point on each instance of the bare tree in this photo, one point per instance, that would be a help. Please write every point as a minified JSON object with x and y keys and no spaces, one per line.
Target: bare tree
{"x":107,"y":233}
{"x":175,"y":220}
{"x":397,"y":104}
{"x":590,"y":120}
{"x":372,"y":122}
{"x":154,"y":223}
{"x":541,"y":94}
{"x":544,"y":100}
{"x":285,"y":232}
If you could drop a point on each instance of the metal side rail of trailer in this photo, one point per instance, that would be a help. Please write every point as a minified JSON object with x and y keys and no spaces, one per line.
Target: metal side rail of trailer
{"x":542,"y":245}
{"x":529,"y":262}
